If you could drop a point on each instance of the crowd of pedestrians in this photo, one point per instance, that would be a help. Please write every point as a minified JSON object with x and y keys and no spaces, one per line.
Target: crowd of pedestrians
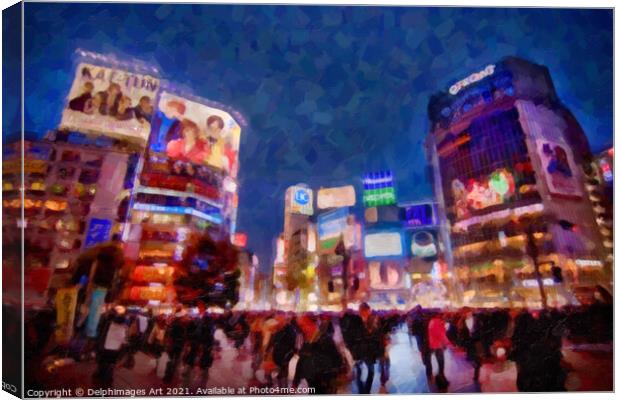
{"x":327,"y":351}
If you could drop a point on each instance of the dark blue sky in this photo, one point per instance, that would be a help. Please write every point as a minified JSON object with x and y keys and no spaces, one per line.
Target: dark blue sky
{"x":328,"y":92}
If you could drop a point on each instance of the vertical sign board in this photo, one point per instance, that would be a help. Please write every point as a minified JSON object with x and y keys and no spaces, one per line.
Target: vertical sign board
{"x":98,"y":232}
{"x":300,"y":200}
{"x":66,"y":302}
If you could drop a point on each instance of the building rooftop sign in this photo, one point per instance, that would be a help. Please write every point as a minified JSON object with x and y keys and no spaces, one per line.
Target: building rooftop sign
{"x":475,"y":77}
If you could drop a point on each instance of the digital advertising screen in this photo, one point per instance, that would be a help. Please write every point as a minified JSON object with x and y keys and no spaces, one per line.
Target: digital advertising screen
{"x":191,"y":132}
{"x":110,"y":101}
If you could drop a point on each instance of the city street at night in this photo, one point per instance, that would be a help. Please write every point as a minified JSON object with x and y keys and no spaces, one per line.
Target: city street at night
{"x":235,"y":199}
{"x":407,"y":375}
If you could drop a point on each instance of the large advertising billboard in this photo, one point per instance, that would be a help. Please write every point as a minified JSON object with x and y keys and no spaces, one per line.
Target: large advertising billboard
{"x":191,"y":132}
{"x":488,"y":191}
{"x":559,"y":168}
{"x":384,"y":244}
{"x":330,"y":227}
{"x":110,"y":101}
{"x":336,"y":197}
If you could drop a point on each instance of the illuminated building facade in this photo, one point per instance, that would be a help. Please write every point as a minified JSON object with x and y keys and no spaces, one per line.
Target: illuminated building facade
{"x":71,"y":187}
{"x":600,"y":187}
{"x":185,"y":186}
{"x":504,"y":152}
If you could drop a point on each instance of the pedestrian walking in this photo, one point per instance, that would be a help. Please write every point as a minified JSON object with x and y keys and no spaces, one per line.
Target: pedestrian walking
{"x":319,"y":361}
{"x":112,"y":338}
{"x":362,"y":335}
{"x":418,"y":327}
{"x":438,"y":342}
{"x":176,"y":336}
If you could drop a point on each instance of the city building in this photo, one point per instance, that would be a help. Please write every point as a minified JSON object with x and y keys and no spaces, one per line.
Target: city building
{"x":600,"y":187}
{"x":71,"y":187}
{"x":384,"y":243}
{"x":504,"y":152}
{"x":431,"y":283}
{"x":180,"y":193}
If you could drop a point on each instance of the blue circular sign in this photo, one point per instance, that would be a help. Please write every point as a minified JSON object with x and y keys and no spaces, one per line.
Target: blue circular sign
{"x":301,"y":197}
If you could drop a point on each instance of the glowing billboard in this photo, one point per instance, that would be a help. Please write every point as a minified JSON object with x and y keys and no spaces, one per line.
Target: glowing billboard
{"x":474,"y":194}
{"x":110,"y":101}
{"x":384,"y":244}
{"x":336,"y":197}
{"x":379,"y":189}
{"x":192,"y":132}
{"x":559,"y":168}
{"x":299,"y":200}
{"x":330,"y":226}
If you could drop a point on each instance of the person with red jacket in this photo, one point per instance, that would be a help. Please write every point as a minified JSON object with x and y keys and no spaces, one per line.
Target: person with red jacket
{"x":438,"y":342}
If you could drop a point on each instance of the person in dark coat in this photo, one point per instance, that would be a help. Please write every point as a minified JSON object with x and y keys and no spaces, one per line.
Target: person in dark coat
{"x":536,"y":349}
{"x":319,"y":360}
{"x":418,"y":327}
{"x":175,"y":338}
{"x":362,"y":335}
{"x":78,"y":103}
{"x":144,"y":110}
{"x":468,"y":335}
{"x":282,"y":345}
{"x":112,"y":339}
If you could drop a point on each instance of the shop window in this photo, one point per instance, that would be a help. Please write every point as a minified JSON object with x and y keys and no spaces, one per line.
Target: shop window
{"x":55,"y":205}
{"x":89,"y":176}
{"x":37,"y":186}
{"x":70,"y":156}
{"x":66,"y":172}
{"x":93,"y":161}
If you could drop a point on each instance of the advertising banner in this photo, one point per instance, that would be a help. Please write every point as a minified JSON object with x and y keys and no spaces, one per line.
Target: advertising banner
{"x":423,"y":245}
{"x":111,"y":102}
{"x":559,"y":168}
{"x":385,"y":275}
{"x":188,"y":131}
{"x":489,"y":191}
{"x":299,"y":200}
{"x":336,"y":197}
{"x":330,"y":226}
{"x":385,"y":244}
{"x":98,"y":232}
{"x":95,"y":310}
{"x":379,"y":189}
{"x":66,"y":302}
{"x":420,"y":215}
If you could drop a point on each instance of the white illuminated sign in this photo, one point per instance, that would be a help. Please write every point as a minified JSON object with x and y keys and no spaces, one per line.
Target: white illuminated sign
{"x":475,"y":77}
{"x":336,"y":197}
{"x":384,"y":244}
{"x":588,"y":263}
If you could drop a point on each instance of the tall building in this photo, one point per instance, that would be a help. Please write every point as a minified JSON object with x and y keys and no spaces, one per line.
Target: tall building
{"x":185,"y":186}
{"x":504,"y":152}
{"x":71,"y":187}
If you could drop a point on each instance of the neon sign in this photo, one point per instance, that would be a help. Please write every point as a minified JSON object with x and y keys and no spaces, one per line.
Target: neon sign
{"x":475,"y":77}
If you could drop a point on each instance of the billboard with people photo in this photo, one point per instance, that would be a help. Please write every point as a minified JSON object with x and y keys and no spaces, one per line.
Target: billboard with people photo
{"x":110,"y":101}
{"x":192,"y":132}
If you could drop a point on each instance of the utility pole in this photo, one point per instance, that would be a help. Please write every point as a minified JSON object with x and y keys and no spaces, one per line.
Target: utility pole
{"x":532,"y":251}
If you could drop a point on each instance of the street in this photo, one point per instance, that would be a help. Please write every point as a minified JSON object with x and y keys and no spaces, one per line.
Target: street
{"x":591,"y":371}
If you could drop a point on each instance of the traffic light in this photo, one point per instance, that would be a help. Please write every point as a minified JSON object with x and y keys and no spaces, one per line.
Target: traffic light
{"x":556,"y":272}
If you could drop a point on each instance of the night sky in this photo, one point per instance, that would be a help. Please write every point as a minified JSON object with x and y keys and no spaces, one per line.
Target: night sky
{"x":328,"y":92}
